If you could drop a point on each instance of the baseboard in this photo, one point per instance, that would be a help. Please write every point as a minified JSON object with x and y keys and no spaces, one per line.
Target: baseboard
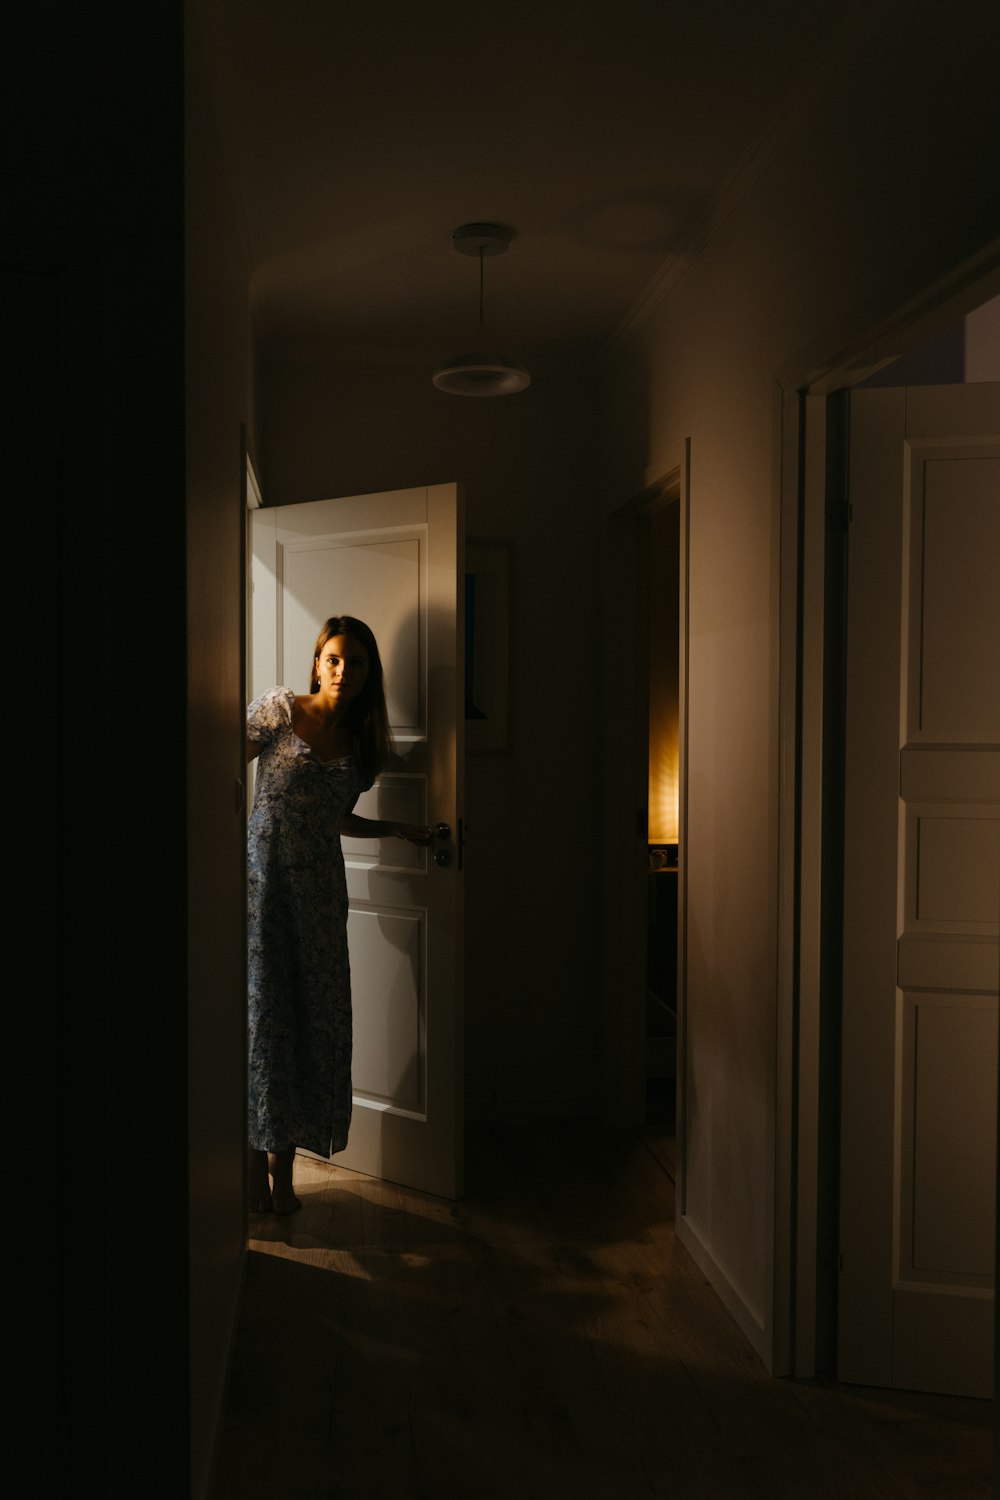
{"x":731,"y":1299}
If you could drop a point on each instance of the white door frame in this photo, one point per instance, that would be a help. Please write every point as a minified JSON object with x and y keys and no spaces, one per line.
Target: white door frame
{"x":805,"y":387}
{"x":254,"y":500}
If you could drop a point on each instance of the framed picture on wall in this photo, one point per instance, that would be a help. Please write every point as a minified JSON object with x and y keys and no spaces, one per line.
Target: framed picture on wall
{"x":487,"y":644}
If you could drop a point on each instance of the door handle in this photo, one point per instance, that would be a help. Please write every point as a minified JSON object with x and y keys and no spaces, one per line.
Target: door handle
{"x":442,"y":836}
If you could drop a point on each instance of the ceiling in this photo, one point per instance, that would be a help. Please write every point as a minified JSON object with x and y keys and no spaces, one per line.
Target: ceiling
{"x":602,"y":134}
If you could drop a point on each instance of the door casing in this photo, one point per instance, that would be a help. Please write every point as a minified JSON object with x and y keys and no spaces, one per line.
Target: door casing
{"x":811,"y":389}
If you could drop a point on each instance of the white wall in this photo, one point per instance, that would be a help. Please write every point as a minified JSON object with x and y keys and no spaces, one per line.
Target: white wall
{"x":870,"y":194}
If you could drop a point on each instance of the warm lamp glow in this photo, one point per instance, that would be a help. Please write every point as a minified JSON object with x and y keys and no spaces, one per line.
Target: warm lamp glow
{"x":664,"y":816}
{"x":664,"y":677}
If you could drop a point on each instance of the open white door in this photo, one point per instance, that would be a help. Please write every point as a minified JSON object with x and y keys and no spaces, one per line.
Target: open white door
{"x":922,"y":891}
{"x":394,"y":560}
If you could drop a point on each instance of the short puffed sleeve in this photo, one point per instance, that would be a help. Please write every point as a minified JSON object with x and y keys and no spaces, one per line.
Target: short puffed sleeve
{"x":270,"y":714}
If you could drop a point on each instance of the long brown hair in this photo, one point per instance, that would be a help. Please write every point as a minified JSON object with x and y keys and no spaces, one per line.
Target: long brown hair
{"x":368,"y":718}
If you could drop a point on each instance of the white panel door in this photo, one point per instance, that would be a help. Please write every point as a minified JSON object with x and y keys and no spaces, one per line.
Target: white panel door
{"x":393,"y":560}
{"x":922,"y":891}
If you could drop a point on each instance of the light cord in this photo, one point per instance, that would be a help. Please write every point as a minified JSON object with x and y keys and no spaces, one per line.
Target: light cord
{"x":480,"y":289}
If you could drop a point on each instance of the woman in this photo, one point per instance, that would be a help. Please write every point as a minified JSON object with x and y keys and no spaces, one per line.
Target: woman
{"x":316,"y":753}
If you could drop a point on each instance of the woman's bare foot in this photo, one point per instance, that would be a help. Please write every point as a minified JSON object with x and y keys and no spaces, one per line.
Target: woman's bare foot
{"x":259,"y":1189}
{"x":283,"y":1198}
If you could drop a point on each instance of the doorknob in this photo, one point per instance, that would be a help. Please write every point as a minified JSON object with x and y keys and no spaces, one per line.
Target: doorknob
{"x":442,"y":834}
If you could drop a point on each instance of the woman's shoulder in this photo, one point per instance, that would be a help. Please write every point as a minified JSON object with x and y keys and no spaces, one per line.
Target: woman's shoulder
{"x":270,"y":711}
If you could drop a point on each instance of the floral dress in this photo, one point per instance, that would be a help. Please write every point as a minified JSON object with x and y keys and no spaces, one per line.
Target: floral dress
{"x":299,"y":982}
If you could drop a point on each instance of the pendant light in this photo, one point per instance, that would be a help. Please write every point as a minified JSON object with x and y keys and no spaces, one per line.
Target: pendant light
{"x":481,"y":371}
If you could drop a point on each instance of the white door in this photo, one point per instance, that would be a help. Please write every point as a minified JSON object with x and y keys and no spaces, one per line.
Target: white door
{"x":922,"y":891}
{"x":393,"y":560}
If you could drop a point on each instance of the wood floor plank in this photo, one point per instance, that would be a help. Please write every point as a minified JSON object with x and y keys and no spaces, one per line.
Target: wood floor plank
{"x":546,"y":1336}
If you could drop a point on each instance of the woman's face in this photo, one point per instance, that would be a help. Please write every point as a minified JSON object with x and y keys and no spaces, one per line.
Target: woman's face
{"x":342,"y":668}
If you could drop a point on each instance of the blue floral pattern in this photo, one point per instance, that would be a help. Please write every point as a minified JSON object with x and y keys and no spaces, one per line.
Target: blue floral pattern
{"x":299,"y":983}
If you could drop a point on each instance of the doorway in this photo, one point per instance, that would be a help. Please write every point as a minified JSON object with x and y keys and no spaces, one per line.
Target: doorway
{"x":644,"y":894}
{"x":661,"y":525}
{"x":396,"y":558}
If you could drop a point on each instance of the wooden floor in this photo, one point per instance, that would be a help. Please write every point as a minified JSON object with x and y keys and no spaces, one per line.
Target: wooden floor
{"x":545,"y":1337}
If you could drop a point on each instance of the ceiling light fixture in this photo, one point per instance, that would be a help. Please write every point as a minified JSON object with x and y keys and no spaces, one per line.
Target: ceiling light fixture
{"x":481,"y":371}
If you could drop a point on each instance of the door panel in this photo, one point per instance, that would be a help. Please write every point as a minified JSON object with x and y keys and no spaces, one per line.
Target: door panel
{"x":954,"y":625}
{"x":922,"y":891}
{"x":392,"y":560}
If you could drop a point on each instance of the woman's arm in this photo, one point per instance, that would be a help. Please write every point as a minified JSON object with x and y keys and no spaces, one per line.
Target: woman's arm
{"x":378,"y":828}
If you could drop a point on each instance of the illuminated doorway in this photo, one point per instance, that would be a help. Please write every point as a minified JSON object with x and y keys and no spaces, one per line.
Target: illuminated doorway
{"x":663,"y":541}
